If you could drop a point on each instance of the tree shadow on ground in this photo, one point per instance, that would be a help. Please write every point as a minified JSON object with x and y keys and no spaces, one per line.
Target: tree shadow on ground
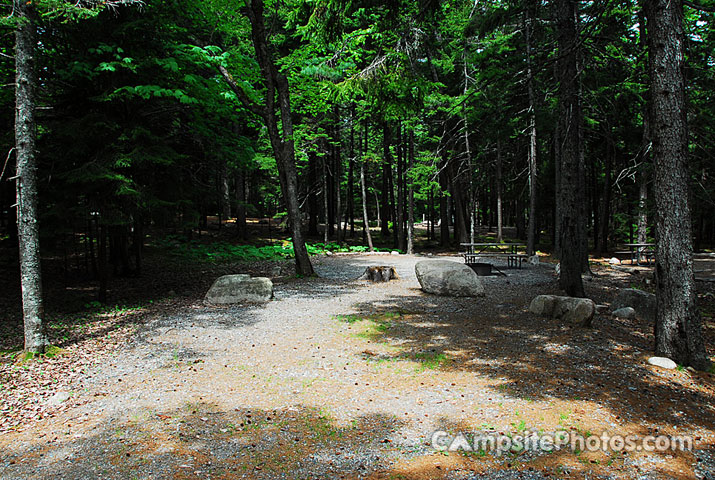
{"x":540,"y":358}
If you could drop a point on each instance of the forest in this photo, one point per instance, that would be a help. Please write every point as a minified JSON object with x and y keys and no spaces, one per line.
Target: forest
{"x":287,"y":130}
{"x":457,"y":114}
{"x":163,"y":114}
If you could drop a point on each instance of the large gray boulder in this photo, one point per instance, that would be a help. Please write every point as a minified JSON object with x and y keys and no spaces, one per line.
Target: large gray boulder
{"x":443,"y":277}
{"x":576,"y":311}
{"x":643,"y":303}
{"x":239,"y":288}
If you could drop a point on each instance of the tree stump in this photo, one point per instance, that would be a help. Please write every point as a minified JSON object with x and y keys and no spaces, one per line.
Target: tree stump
{"x":383,"y":273}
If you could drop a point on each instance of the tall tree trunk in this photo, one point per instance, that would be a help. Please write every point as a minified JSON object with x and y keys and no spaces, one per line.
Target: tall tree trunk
{"x":460,"y":225}
{"x":338,"y":157}
{"x":281,"y":140}
{"x":531,"y":231}
{"x":26,"y":181}
{"x":500,"y":221}
{"x":643,"y":171}
{"x":102,"y":261}
{"x":240,"y":205}
{"x":643,"y":205}
{"x":571,"y":186}
{"x":365,"y":219}
{"x":326,"y":212}
{"x":350,"y":214}
{"x":386,"y":174}
{"x":312,"y":194}
{"x":400,"y":220}
{"x":225,"y":194}
{"x":595,"y":202}
{"x":605,"y":219}
{"x":411,"y":195}
{"x":443,"y":208}
{"x":678,"y":332}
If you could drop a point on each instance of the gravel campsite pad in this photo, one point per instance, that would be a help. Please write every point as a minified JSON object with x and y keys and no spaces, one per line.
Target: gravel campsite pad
{"x":342,"y":378}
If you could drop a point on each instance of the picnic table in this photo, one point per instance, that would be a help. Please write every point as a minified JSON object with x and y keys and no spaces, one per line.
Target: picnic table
{"x":510,"y":251}
{"x":640,"y":251}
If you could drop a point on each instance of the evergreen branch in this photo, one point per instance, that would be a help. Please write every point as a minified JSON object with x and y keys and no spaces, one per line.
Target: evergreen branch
{"x":695,"y":6}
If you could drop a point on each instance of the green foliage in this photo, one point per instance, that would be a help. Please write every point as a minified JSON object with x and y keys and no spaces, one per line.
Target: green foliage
{"x":224,"y":251}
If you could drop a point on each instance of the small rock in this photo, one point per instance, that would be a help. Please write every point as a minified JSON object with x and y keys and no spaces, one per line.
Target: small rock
{"x":394,"y":252}
{"x":58,"y":398}
{"x":643,"y":303}
{"x":663,"y":362}
{"x":328,"y":253}
{"x":276,"y":271}
{"x":614,"y":261}
{"x":626,"y":312}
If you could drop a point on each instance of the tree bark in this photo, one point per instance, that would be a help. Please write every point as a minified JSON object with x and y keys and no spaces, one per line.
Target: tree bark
{"x":225,"y":194}
{"x":410,"y":196}
{"x":350,"y":213}
{"x":26,"y":181}
{"x":240,"y":205}
{"x":282,"y":142}
{"x":604,"y":221}
{"x":338,"y":176}
{"x":643,"y":171}
{"x":312,"y":194}
{"x":326,"y":209}
{"x":386,"y":170}
{"x":678,"y":332}
{"x":531,"y":230}
{"x":500,"y":220}
{"x":571,"y":172}
{"x":443,"y":207}
{"x":400,"y":217}
{"x":365,"y":220}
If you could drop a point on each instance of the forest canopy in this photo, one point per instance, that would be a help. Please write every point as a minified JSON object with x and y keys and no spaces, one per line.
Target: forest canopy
{"x":324,"y":114}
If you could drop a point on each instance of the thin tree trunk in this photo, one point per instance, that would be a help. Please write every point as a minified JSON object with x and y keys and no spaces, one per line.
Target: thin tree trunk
{"x":678,"y":331}
{"x":365,"y":220}
{"x":312,"y":194}
{"x":400,"y":220}
{"x":337,"y":150}
{"x":443,"y":208}
{"x":644,"y":156}
{"x":386,"y":167}
{"x":102,"y":261}
{"x":240,"y":205}
{"x":26,"y":181}
{"x":571,"y":186}
{"x":225,"y":197}
{"x":500,"y":220}
{"x":411,"y":196}
{"x":326,"y":214}
{"x":350,"y":215}
{"x":606,"y":205}
{"x":531,"y":230}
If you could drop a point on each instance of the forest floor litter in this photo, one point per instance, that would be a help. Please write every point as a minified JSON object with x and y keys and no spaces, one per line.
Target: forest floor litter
{"x":344,"y":378}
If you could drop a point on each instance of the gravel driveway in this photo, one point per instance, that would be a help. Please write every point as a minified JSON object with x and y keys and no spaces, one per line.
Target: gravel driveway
{"x":335,"y":378}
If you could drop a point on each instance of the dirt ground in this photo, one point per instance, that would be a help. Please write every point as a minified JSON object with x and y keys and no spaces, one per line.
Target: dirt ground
{"x":340,"y":378}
